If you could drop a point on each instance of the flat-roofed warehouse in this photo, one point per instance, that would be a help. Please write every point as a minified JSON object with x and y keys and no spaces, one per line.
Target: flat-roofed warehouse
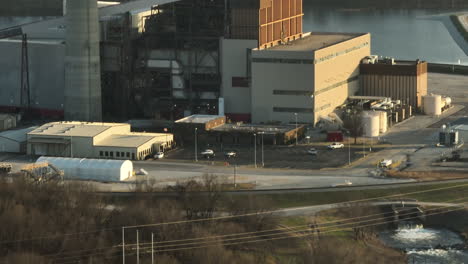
{"x":95,"y":140}
{"x":310,"y":76}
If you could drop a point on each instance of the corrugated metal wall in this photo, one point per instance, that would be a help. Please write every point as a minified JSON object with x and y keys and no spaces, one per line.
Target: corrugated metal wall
{"x":397,"y":87}
{"x":406,"y":82}
{"x":279,"y":21}
{"x":244,"y":23}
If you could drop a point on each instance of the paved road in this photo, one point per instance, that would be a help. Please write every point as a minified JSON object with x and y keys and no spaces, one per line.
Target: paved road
{"x":313,"y":210}
{"x":169,"y":173}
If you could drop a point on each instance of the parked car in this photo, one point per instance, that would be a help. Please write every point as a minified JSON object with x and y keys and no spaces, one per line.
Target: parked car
{"x":208,"y":153}
{"x":159,"y":155}
{"x":336,"y":145}
{"x":312,"y":151}
{"x":230,"y":154}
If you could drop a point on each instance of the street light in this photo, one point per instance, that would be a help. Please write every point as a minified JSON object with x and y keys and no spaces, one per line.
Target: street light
{"x":263,"y":157}
{"x":295,"y":115}
{"x":255,"y":149}
{"x":196,"y":149}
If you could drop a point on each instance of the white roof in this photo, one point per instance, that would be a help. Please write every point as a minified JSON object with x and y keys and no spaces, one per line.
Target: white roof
{"x":461,"y":127}
{"x":55,"y":28}
{"x":76,"y":129}
{"x":132,"y":139}
{"x":18,"y":135}
{"x":92,"y":169}
{"x":198,"y":119}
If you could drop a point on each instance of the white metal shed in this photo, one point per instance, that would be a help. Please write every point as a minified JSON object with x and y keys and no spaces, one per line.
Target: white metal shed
{"x":92,"y":169}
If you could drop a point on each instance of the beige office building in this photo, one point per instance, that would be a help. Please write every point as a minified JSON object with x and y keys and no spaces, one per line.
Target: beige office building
{"x":94,"y":140}
{"x":309,"y":77}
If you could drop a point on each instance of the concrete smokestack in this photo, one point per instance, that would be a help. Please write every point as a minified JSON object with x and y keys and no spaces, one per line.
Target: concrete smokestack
{"x":82,"y":65}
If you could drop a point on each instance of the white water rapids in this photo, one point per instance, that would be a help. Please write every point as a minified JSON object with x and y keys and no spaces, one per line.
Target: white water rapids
{"x":426,"y":245}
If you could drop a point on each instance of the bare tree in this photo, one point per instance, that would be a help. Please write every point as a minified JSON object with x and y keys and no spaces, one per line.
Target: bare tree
{"x":352,"y":122}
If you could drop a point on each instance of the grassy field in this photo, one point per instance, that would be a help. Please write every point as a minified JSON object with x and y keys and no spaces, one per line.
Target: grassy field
{"x":427,"y":175}
{"x":448,"y":191}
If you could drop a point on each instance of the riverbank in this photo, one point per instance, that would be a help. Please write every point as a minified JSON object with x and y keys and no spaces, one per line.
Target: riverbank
{"x":458,"y":223}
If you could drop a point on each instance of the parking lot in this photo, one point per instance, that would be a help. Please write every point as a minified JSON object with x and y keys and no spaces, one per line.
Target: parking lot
{"x":284,"y":157}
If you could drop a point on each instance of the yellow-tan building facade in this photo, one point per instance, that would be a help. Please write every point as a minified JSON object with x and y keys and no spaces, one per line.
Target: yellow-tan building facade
{"x":307,"y":78}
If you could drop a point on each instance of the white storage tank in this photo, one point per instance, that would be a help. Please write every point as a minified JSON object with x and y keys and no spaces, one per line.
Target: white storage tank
{"x":432,"y":104}
{"x":383,"y":121}
{"x":92,"y":169}
{"x":371,"y":124}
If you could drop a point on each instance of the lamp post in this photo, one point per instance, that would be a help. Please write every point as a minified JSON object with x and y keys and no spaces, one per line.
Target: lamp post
{"x":235,"y":183}
{"x":255,"y":149}
{"x":349,"y":146}
{"x":263,"y":156}
{"x":196,"y":148}
{"x":295,"y":115}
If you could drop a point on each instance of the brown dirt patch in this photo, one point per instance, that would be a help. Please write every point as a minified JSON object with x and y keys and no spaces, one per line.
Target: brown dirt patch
{"x":428,"y":175}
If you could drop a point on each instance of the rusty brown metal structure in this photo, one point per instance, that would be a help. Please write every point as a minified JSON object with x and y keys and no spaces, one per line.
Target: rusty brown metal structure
{"x":279,"y":21}
{"x":399,"y":80}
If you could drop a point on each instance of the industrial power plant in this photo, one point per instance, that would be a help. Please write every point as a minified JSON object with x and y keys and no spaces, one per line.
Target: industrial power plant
{"x":248,"y":60}
{"x":222,"y":71}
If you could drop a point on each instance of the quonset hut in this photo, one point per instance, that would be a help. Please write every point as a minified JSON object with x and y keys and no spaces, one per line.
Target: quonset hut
{"x":92,"y":169}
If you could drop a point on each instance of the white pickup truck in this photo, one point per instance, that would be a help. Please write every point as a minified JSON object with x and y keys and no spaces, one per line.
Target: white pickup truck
{"x":385,"y":163}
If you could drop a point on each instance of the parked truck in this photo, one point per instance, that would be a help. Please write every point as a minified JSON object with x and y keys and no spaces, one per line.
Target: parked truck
{"x":385,"y":163}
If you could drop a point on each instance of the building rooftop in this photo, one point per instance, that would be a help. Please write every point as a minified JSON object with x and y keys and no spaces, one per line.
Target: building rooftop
{"x":124,"y":140}
{"x":316,"y":40}
{"x":460,"y":127}
{"x":133,"y":139}
{"x":18,"y":135}
{"x":198,"y":119}
{"x":253,"y":128}
{"x":72,"y":128}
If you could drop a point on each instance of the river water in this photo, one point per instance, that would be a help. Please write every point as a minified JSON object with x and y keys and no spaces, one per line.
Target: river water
{"x":426,"y":245}
{"x":411,"y":33}
{"x":403,"y":33}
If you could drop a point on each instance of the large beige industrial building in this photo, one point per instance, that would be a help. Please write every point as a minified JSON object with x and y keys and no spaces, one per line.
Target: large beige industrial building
{"x":94,"y":140}
{"x":400,"y":80}
{"x":310,"y":76}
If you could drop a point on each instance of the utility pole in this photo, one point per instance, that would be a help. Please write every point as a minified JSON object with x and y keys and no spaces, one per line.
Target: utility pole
{"x":152,"y":248}
{"x":295,"y":115}
{"x":263,"y":156}
{"x":123,"y":245}
{"x":255,"y":149}
{"x":235,"y":184}
{"x":138,"y":248}
{"x":196,"y":148}
{"x":349,"y":150}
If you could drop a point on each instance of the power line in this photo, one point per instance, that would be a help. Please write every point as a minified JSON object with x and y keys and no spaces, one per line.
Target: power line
{"x":275,"y":234}
{"x":48,"y":237}
{"x":290,"y":209}
{"x":302,"y":235}
{"x":290,"y":227}
{"x":368,"y":199}
{"x":287,"y":232}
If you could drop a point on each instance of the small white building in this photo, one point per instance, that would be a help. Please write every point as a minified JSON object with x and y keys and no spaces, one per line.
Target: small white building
{"x":92,"y":169}
{"x":7,"y":121}
{"x":462,"y":132}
